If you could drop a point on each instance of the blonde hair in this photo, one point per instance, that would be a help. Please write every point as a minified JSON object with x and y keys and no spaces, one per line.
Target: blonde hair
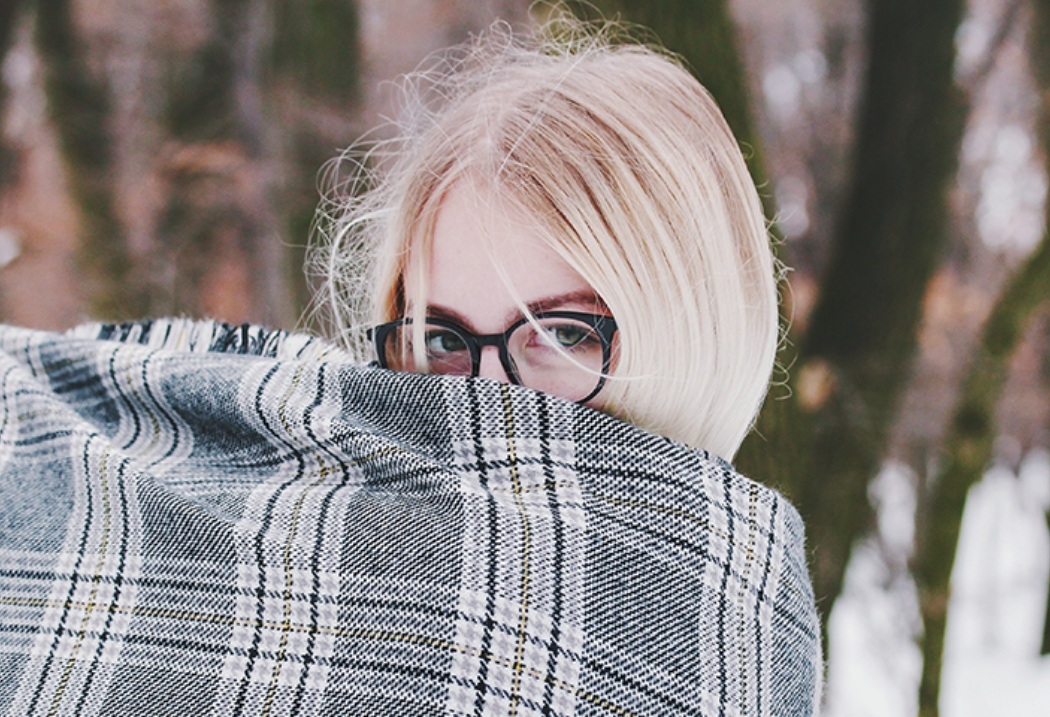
{"x":631,"y":172}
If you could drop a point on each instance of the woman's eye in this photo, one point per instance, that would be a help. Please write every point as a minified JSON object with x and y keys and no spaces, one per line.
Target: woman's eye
{"x":444,"y":342}
{"x":570,"y":336}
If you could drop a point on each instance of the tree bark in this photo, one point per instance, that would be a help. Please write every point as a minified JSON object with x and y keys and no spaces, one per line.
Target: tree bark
{"x":823,"y":446}
{"x":968,"y":454}
{"x":972,"y":433}
{"x":316,"y":60}
{"x":79,"y":105}
{"x":215,"y":232}
{"x":1044,"y":645}
{"x":9,"y":15}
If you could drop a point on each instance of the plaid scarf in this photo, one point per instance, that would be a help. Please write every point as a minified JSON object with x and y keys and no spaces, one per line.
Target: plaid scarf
{"x":199,"y":519}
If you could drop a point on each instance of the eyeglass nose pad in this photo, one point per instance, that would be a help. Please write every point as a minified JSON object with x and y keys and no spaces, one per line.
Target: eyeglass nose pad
{"x":490,"y":365}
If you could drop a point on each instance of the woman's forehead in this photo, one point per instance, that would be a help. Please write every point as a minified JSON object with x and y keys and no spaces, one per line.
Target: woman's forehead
{"x":487,"y":258}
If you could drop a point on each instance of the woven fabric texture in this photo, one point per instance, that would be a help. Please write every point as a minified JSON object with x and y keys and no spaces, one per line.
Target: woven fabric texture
{"x":198,"y":519}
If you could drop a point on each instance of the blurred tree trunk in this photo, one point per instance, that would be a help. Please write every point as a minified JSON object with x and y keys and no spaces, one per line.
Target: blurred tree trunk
{"x":969,"y":448}
{"x":208,"y":232}
{"x":316,"y":62}
{"x":218,"y":248}
{"x":1044,"y":647}
{"x":9,"y":15}
{"x":259,"y":106}
{"x":227,"y":121}
{"x":823,"y":446}
{"x":1040,"y":51}
{"x":970,"y":442}
{"x":79,"y":105}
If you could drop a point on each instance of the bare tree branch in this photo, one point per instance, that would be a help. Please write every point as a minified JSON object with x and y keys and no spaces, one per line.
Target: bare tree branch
{"x":977,"y":76}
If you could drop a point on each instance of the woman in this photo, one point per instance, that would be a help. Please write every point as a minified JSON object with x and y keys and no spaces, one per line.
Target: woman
{"x":573,"y":176}
{"x":205,"y":519}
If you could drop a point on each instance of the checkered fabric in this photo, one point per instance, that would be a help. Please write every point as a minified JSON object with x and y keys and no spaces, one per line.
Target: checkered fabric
{"x":198,"y":519}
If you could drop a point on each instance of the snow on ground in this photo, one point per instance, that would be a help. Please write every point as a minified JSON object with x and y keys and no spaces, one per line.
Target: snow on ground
{"x":995,"y":623}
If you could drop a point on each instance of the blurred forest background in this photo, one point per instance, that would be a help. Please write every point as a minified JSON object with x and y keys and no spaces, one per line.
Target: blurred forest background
{"x":161,"y":157}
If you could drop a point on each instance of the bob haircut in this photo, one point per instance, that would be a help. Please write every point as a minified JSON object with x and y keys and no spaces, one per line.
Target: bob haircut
{"x":633,"y":177}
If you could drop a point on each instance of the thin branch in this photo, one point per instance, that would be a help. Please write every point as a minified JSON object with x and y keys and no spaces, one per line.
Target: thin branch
{"x":977,"y":77}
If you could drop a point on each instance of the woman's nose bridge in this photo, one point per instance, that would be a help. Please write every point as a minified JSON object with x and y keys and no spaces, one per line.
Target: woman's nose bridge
{"x":490,"y":365}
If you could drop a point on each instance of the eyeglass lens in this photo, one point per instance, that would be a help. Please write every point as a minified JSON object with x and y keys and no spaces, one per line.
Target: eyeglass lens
{"x":563,"y":356}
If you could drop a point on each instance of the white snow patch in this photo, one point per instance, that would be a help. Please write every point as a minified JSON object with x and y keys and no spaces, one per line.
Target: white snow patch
{"x":992,"y":663}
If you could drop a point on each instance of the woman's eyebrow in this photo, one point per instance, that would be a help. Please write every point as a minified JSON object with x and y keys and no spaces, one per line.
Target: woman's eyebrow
{"x":549,"y":303}
{"x":435,"y":311}
{"x":582,"y":296}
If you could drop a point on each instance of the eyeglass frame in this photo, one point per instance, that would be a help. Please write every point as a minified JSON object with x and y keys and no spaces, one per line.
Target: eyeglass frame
{"x":603,"y":325}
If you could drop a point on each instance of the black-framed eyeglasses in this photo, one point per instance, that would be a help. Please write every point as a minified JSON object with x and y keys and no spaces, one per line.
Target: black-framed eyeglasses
{"x":565,"y":353}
